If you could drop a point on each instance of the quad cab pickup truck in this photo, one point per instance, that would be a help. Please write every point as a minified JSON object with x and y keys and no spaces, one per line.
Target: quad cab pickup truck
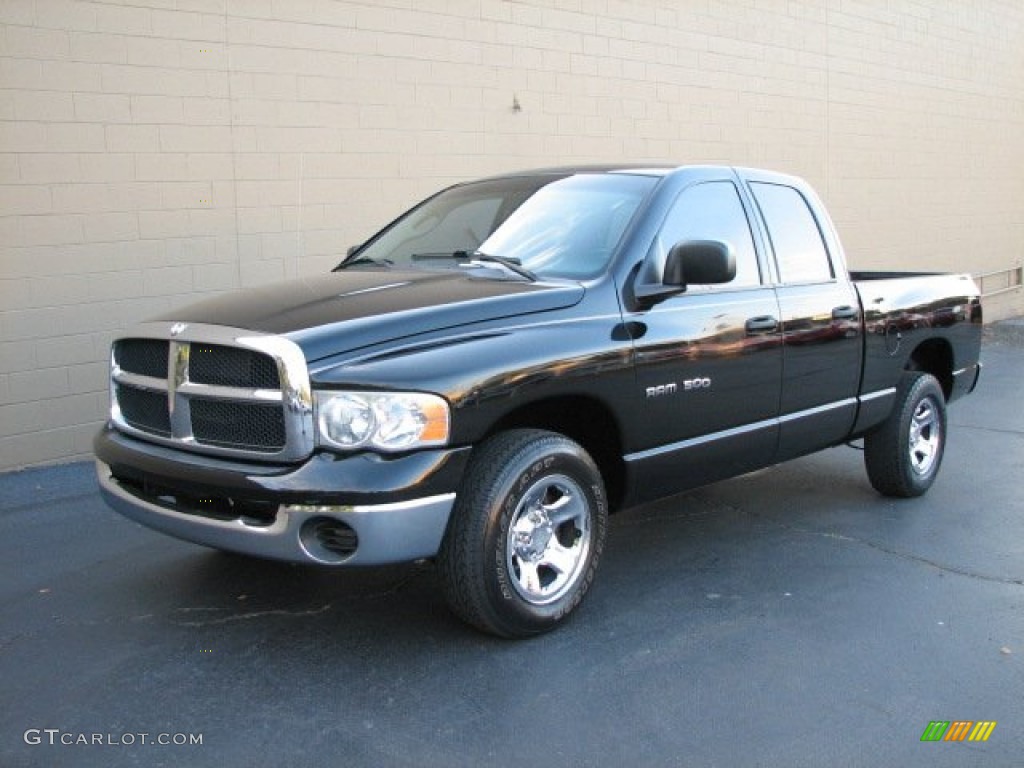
{"x":495,"y":371}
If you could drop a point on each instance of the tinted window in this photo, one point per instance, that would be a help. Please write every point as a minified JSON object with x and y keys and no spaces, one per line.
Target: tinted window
{"x":796,"y":239}
{"x":711,"y":211}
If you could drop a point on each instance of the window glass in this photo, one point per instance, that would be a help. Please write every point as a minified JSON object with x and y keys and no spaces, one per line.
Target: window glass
{"x":710,"y":211}
{"x":555,"y":226}
{"x":459,"y":223}
{"x":570,"y":228}
{"x":796,"y":239}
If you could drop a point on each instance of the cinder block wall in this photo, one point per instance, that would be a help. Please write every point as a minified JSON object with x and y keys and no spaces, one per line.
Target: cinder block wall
{"x":154,"y":151}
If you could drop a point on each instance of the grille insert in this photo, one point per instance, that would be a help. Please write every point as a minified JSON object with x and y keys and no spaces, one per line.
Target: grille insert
{"x":249,"y":426}
{"x":222,"y":366}
{"x":145,"y":410}
{"x":146,"y":357}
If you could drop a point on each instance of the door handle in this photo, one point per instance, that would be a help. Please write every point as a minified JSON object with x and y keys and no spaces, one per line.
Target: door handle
{"x":762,"y":324}
{"x":845,"y":312}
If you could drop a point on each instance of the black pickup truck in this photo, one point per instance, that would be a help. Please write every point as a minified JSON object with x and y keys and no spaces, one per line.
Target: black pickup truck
{"x":490,"y":375}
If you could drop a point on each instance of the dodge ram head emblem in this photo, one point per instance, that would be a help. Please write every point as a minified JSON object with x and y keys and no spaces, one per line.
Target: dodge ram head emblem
{"x":178,"y":328}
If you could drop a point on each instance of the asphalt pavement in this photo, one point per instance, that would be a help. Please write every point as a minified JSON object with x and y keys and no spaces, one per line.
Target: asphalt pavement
{"x":791,"y":617}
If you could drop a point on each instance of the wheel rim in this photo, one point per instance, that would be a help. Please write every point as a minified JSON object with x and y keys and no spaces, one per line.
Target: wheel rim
{"x":925,"y":436}
{"x":548,"y":539}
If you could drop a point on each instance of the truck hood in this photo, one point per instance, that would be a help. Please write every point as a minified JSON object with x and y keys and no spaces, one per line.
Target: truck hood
{"x":343,"y":311}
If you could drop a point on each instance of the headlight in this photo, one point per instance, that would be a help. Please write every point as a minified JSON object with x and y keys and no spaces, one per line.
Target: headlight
{"x":385,"y":421}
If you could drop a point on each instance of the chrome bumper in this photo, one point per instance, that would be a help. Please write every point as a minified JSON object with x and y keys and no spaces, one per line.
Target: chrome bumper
{"x":386,"y":533}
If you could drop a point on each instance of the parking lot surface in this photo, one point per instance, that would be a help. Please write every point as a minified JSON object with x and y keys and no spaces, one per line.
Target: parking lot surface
{"x":790,"y":617}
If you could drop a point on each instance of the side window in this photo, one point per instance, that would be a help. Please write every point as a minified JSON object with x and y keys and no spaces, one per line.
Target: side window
{"x":711,"y":211}
{"x":796,"y":239}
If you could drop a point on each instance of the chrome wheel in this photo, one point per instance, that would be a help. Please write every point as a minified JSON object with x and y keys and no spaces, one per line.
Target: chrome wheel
{"x":925,"y":436}
{"x":526,"y":533}
{"x":548,"y":539}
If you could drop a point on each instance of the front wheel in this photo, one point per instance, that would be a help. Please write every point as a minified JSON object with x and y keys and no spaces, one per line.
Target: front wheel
{"x":525,"y":535}
{"x":904,"y":453}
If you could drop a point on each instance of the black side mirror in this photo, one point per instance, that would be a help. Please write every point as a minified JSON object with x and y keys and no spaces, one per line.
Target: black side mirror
{"x":705,"y":262}
{"x":352,"y":249}
{"x":690,"y":261}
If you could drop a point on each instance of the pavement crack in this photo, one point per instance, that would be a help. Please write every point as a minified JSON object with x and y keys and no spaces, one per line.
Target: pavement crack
{"x":10,"y":640}
{"x":997,"y":430}
{"x":31,"y":506}
{"x":945,"y":567}
{"x":247,"y":616}
{"x":909,"y":556}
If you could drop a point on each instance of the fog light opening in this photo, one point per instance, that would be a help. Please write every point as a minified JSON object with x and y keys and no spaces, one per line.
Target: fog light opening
{"x":328,"y":540}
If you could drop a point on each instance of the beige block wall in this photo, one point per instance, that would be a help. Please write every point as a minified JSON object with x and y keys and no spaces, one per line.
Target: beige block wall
{"x":155,"y":151}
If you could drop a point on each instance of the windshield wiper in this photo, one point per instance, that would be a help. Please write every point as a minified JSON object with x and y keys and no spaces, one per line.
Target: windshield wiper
{"x":441,"y":255}
{"x":364,"y":260}
{"x":510,"y":263}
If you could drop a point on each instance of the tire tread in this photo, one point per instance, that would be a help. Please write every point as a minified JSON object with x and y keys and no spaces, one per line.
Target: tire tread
{"x":885,"y":448}
{"x":461,"y":561}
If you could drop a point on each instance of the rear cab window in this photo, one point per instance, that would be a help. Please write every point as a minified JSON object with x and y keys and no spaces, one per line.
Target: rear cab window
{"x":800,"y":252}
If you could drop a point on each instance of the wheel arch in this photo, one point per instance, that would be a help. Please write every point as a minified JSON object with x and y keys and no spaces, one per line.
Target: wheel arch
{"x":585,"y":420}
{"x":934,"y":356}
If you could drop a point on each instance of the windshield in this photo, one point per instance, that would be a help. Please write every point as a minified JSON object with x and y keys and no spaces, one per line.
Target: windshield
{"x":552,"y":226}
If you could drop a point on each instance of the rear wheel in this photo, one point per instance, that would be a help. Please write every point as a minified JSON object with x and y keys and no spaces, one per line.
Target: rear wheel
{"x":526,"y":533}
{"x":904,"y":453}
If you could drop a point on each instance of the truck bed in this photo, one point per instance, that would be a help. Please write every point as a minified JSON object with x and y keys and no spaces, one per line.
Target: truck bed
{"x":865,"y":275}
{"x":903,"y":309}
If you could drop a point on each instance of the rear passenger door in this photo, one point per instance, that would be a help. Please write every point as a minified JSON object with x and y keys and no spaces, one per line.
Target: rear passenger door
{"x":821,"y":328}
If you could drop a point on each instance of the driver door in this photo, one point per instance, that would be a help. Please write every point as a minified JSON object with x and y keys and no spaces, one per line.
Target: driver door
{"x":709,"y":360}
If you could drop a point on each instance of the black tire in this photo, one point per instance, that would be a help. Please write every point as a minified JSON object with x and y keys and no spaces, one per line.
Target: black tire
{"x":525,"y":535}
{"x":904,"y":453}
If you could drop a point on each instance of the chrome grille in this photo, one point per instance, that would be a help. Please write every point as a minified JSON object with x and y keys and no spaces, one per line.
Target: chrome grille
{"x":214,"y":390}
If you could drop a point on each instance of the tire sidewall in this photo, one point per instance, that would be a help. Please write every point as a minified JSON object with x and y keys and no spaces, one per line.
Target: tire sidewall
{"x":546,"y":457}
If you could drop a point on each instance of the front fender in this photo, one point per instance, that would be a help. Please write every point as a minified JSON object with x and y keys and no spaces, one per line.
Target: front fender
{"x":486,"y":374}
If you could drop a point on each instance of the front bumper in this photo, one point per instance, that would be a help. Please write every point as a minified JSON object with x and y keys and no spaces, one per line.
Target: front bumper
{"x":357,"y":510}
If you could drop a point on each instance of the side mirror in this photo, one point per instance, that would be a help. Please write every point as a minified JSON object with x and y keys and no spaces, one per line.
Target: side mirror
{"x":704,"y":262}
{"x":352,"y":249}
